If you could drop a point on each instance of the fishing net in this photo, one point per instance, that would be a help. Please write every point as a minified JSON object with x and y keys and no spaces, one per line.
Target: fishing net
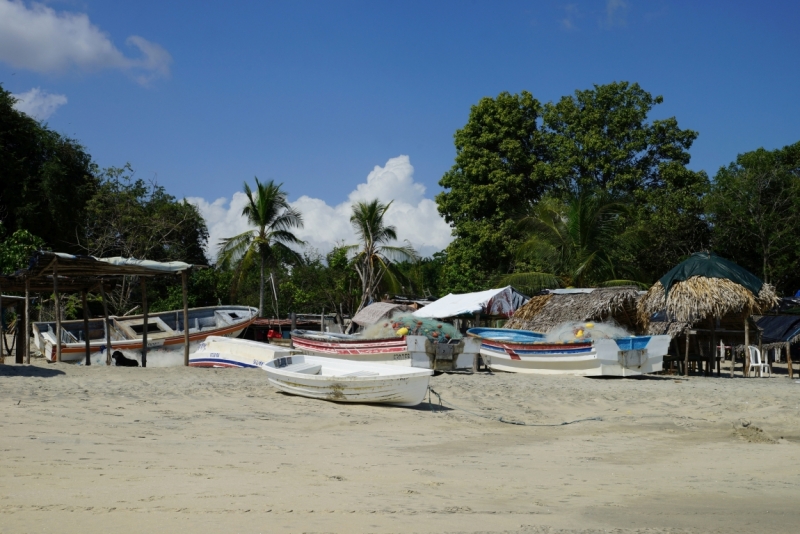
{"x":406,"y":324}
{"x":575,"y":331}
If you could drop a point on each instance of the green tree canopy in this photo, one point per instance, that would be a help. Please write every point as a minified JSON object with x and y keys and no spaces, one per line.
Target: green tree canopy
{"x":755,"y":210}
{"x":46,"y":179}
{"x":514,"y":152}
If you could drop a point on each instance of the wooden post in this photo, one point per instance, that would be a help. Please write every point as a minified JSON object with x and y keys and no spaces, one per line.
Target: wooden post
{"x":686,"y":356}
{"x":87,"y":341}
{"x":145,"y":320}
{"x":57,"y":309}
{"x":107,"y":322}
{"x":185,"y":282}
{"x":293,"y":317}
{"x":764,"y":357}
{"x":476,"y":360}
{"x":27,"y":321}
{"x":322,"y":321}
{"x":789,"y":360}
{"x":714,"y":347}
{"x":746,"y":364}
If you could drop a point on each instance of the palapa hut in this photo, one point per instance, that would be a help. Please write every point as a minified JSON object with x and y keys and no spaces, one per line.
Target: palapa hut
{"x":778,"y":334}
{"x":709,"y":295}
{"x":543,"y":312}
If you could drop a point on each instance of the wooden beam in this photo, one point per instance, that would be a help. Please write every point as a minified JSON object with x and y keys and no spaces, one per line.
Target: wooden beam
{"x":27,"y":321}
{"x":185,"y":283}
{"x":57,"y":310}
{"x":107,"y":323}
{"x":87,"y":341}
{"x":145,"y":320}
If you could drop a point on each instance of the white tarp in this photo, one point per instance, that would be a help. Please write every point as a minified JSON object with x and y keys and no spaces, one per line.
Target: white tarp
{"x":163,"y":266}
{"x":493,"y":302}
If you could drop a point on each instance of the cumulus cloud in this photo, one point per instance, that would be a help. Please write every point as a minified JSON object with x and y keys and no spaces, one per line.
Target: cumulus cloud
{"x":38,"y":104}
{"x":40,"y":39}
{"x":415,"y":216}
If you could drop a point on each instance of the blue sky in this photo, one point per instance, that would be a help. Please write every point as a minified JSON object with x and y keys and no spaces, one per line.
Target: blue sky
{"x":204,"y":96}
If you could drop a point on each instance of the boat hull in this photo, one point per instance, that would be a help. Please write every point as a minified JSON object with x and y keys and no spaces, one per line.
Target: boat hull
{"x":622,"y":357}
{"x":408,"y":351}
{"x":399,"y":387}
{"x":164,"y":351}
{"x":239,"y":353}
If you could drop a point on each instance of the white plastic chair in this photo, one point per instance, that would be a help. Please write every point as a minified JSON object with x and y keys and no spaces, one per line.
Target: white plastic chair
{"x":756,"y":364}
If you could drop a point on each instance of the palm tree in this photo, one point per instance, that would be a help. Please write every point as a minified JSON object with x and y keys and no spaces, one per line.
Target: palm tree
{"x":269,"y":211}
{"x":572,"y":241}
{"x":373,"y":258}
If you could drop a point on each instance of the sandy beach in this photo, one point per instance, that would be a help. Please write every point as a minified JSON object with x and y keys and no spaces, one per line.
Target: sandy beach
{"x":202,"y":450}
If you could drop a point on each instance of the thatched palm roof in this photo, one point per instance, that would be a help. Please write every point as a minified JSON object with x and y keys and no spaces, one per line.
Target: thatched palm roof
{"x":544,"y":312}
{"x":700,"y":298}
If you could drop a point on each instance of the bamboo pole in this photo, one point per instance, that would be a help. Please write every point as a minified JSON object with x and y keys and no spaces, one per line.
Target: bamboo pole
{"x":87,"y":341}
{"x":57,"y":307}
{"x":185,"y":283}
{"x":107,"y":323}
{"x":27,"y":321}
{"x":144,"y":321}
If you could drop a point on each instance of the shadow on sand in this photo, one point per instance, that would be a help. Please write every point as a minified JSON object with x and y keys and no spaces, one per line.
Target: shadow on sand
{"x":29,"y":371}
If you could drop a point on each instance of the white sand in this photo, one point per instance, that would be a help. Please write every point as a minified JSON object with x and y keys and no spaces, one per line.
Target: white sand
{"x":198,"y":450}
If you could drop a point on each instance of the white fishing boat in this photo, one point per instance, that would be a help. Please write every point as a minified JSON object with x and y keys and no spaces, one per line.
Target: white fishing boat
{"x":165,"y":334}
{"x":407,"y":350}
{"x":522,"y":351}
{"x":339,"y":380}
{"x":218,"y":351}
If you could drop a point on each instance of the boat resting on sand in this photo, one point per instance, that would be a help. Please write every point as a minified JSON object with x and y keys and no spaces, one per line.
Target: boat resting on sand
{"x":339,"y":380}
{"x":218,"y":351}
{"x":409,"y":350}
{"x":523,"y":351}
{"x":165,"y":334}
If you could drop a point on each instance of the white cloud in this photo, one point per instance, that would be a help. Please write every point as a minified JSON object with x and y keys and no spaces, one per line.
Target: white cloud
{"x":415,"y":217}
{"x":38,"y":104}
{"x":615,"y":13}
{"x":38,"y":38}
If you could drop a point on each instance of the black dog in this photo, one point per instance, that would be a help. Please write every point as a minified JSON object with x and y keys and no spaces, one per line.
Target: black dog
{"x":121,"y":361}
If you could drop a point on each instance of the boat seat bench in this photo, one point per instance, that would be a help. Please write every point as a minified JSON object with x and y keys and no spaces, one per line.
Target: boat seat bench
{"x":304,"y":368}
{"x":361,"y":373}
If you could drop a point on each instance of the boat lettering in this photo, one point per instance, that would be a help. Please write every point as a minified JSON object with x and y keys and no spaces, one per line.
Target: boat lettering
{"x":214,"y":355}
{"x":402,"y":357}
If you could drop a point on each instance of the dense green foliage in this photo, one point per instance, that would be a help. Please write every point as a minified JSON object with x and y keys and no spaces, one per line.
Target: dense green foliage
{"x":46,"y":179}
{"x":515,"y":156}
{"x":755,"y":211}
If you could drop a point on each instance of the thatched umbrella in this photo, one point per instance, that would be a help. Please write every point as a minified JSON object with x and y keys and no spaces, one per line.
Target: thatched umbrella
{"x":707,"y":287}
{"x":544,"y":312}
